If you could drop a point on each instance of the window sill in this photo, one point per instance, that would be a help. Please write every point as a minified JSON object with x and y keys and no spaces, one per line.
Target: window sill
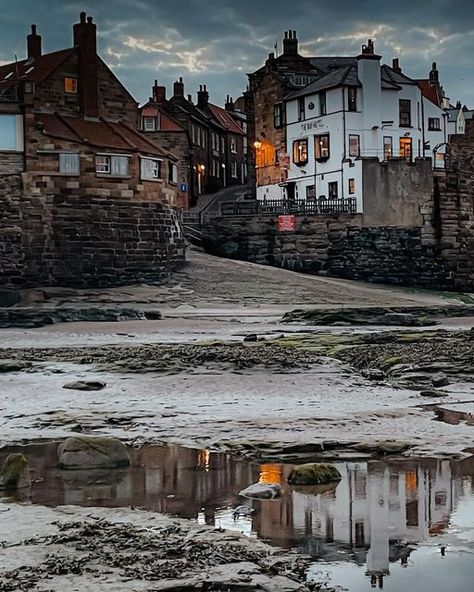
{"x":323,"y":159}
{"x":405,"y":126}
{"x":108,"y":176}
{"x":152,"y":180}
{"x":301,"y":164}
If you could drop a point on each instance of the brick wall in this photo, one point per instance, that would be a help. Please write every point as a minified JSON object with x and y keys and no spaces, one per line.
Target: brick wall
{"x":81,"y":241}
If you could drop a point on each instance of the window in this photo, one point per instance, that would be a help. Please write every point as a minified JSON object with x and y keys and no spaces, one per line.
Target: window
{"x":352,"y":99}
{"x":387,"y":147}
{"x":234,"y":169}
{"x":233,"y":144}
{"x":404,"y":106}
{"x":321,"y":147}
{"x":69,"y":163}
{"x":149,"y":124}
{"x":116,"y":166}
{"x":301,"y":109}
{"x":300,"y":152}
{"x":70,"y":85}
{"x":278,"y":116}
{"x":354,"y":145}
{"x":172,"y":173}
{"x":301,"y":79}
{"x":215,"y":168}
{"x":405,"y":148}
{"x":222,"y":145}
{"x":359,"y":534}
{"x":7,"y":132}
{"x":322,"y":103}
{"x":310,"y":192}
{"x":332,"y":189}
{"x":352,"y":186}
{"x":434,"y":124}
{"x":150,"y":168}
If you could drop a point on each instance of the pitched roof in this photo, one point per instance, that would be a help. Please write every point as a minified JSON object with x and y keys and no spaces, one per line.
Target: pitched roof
{"x":327,"y":63}
{"x":452,"y":114}
{"x":396,"y":78}
{"x":101,"y":134}
{"x":429,"y":91}
{"x":33,"y":69}
{"x":225,"y":119}
{"x":167,"y":123}
{"x":345,"y":76}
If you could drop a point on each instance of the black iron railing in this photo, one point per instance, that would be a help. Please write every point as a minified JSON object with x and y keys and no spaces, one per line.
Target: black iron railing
{"x":283,"y":206}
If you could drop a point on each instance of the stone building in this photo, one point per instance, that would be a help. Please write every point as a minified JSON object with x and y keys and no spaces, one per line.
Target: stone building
{"x":217,"y":140}
{"x":89,"y":198}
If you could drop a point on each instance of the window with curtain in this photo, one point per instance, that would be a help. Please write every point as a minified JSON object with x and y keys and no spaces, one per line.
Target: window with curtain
{"x":69,"y":163}
{"x":150,"y":168}
{"x":321,"y":147}
{"x":119,"y":166}
{"x":300,"y":152}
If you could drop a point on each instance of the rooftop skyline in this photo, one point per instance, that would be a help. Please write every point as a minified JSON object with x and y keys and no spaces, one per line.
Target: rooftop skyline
{"x":218,"y":42}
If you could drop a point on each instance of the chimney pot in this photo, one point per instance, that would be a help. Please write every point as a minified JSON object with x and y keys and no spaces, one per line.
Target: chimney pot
{"x":82,"y":17}
{"x":34,"y":44}
{"x":290,"y":44}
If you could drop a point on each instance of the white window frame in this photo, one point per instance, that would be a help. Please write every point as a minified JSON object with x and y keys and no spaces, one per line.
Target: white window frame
{"x":150,"y":124}
{"x":103,"y":164}
{"x":234,"y":170}
{"x":172,"y":172}
{"x":233,"y":144}
{"x":155,"y":168}
{"x":109,"y":163}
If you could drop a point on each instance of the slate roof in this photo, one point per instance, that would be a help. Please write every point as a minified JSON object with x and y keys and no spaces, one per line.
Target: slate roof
{"x":327,"y":63}
{"x":452,"y":114}
{"x":345,"y":76}
{"x":100,"y":134}
{"x":33,"y":69}
{"x":225,"y":119}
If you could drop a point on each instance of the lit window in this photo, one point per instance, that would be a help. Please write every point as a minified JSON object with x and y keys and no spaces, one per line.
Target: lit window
{"x":352,"y":186}
{"x":70,"y":85}
{"x":406,"y":148}
{"x":300,"y":152}
{"x":69,"y":163}
{"x":150,"y":168}
{"x":354,"y":145}
{"x":321,"y":147}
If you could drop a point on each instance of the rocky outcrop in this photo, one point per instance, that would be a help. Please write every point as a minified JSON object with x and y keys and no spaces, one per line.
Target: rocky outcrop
{"x":15,"y":473}
{"x":92,"y":453}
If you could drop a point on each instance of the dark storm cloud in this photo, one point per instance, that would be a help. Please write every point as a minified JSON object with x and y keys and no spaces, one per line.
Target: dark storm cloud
{"x":218,"y":41}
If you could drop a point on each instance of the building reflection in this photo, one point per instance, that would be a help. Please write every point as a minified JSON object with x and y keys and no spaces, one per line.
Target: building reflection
{"x":373,"y":517}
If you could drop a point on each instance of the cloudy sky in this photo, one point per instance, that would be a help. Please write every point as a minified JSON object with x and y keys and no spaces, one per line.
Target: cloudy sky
{"x":216,"y":42}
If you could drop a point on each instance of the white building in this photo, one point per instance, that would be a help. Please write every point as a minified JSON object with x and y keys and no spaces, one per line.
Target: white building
{"x":358,"y":109}
{"x":457,"y":119}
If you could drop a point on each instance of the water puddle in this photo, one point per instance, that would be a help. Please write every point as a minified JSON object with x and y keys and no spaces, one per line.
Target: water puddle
{"x":392,"y":524}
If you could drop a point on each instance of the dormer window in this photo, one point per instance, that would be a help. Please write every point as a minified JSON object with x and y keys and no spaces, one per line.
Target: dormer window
{"x":150,"y":124}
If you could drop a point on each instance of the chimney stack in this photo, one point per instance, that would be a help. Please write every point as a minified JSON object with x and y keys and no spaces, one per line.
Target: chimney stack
{"x":434,"y":75}
{"x":290,"y":44}
{"x":229,"y":103}
{"x":85,"y":39}
{"x":158,"y":93}
{"x":396,"y":65}
{"x":369,"y":48}
{"x":202,"y":97}
{"x":190,"y":98}
{"x":178,"y":88}
{"x":33,"y":43}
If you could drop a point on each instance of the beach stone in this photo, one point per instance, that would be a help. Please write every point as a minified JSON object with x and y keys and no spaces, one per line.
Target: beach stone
{"x":431,"y":393}
{"x":262,"y":491}
{"x":92,"y":453}
{"x":86,"y":385}
{"x":15,"y":473}
{"x":313,"y":474}
{"x":252,"y":337}
{"x":13,"y":365}
{"x":440,"y":380}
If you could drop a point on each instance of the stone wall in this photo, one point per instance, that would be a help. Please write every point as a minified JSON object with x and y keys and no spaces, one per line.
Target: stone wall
{"x":11,"y":163}
{"x":79,"y":241}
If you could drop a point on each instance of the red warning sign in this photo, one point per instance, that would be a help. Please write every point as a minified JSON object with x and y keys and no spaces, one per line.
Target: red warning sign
{"x":286,"y":223}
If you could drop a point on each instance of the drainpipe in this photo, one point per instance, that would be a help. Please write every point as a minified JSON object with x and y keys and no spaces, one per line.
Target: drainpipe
{"x":345,"y":143}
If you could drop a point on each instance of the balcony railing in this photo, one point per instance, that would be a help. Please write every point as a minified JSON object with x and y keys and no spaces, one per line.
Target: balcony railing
{"x":273,"y":207}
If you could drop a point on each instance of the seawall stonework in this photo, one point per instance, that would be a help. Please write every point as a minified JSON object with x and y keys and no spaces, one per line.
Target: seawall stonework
{"x":83,"y":241}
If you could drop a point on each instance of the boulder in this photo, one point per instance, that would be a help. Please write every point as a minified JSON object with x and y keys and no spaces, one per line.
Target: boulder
{"x":440,"y":380}
{"x":313,"y":474}
{"x":15,"y":473}
{"x":431,"y":393}
{"x":92,"y":453}
{"x":252,"y":337}
{"x":262,"y":491}
{"x":14,"y":365}
{"x":86,"y":385}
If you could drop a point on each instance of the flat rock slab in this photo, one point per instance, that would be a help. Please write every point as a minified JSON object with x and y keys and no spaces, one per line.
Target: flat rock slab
{"x":86,"y":385}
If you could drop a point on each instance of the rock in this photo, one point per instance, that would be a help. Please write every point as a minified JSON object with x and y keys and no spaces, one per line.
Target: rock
{"x":440,"y":380}
{"x":9,"y":297}
{"x":86,"y":385}
{"x":92,"y":453}
{"x":262,"y":491}
{"x":431,"y":393}
{"x":382,"y":447}
{"x":13,"y":365}
{"x":252,"y":337}
{"x":373,"y":374}
{"x":242,"y":511}
{"x":15,"y":473}
{"x":313,"y":474}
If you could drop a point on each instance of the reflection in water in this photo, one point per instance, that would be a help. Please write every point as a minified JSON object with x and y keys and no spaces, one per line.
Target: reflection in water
{"x":371,"y":520}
